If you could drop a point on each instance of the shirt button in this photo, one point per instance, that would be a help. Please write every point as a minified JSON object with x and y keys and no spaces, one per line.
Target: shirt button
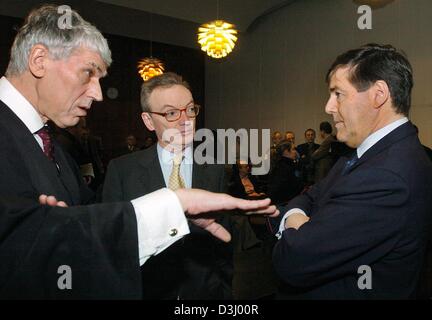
{"x":173,"y":232}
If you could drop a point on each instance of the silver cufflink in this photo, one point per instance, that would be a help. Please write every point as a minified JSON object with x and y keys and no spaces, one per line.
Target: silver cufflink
{"x":173,"y":232}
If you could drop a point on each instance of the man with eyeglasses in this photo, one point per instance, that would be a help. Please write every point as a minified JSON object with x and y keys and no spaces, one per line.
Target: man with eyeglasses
{"x":198,"y":267}
{"x":53,"y":245}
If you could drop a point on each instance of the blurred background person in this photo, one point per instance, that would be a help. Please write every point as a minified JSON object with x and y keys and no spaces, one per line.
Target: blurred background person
{"x":276,"y":138}
{"x":290,"y":136}
{"x":131,"y":144}
{"x":243,"y":184}
{"x":305,"y":151}
{"x":85,"y":149}
{"x":283,"y":184}
{"x":322,"y":157}
{"x":148,"y":142}
{"x":93,"y":151}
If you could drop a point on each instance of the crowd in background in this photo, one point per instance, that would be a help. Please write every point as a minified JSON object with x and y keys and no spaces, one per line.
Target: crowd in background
{"x":293,"y":168}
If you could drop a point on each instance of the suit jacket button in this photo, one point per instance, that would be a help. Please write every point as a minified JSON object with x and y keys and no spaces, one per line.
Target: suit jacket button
{"x":173,"y":232}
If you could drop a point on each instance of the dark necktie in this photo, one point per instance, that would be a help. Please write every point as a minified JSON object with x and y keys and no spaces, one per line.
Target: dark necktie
{"x":350,"y":163}
{"x":48,"y":147}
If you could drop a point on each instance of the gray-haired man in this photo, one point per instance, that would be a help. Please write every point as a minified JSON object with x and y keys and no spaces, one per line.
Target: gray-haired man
{"x":50,"y":251}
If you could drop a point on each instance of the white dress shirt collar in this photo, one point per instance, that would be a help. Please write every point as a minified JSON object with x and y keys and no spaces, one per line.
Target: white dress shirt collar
{"x":364,"y":146}
{"x":20,"y":106}
{"x":378,"y":135}
{"x":166,"y":157}
{"x":166,"y":163}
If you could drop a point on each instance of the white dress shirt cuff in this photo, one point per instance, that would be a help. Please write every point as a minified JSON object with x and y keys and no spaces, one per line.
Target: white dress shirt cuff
{"x":287,"y":214}
{"x":160,"y":221}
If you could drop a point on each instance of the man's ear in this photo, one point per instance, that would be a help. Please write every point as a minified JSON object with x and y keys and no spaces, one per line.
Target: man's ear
{"x":381,"y":93}
{"x":148,"y":121}
{"x":37,"y":60}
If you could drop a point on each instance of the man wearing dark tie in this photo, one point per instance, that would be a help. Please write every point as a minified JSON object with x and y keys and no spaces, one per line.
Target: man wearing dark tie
{"x":54,"y":75}
{"x":361,"y":233}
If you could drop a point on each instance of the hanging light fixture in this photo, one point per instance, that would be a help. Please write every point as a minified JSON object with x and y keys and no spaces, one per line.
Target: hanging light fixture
{"x":150,"y":67}
{"x":217,"y":38}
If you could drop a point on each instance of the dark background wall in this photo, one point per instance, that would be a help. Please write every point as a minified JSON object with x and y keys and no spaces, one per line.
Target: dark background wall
{"x":117,"y":20}
{"x":114,"y":119}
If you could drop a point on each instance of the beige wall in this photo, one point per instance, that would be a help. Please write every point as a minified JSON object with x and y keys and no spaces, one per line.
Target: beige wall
{"x":275,"y":76}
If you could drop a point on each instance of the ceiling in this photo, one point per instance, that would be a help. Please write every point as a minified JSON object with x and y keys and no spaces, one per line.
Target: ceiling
{"x":239,"y":12}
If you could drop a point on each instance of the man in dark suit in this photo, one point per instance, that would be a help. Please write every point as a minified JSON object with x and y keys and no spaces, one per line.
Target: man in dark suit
{"x":49,"y":250}
{"x":283,"y":184}
{"x":129,"y":147}
{"x":322,"y":157}
{"x":305,"y":151}
{"x":198,"y":267}
{"x":361,"y":233}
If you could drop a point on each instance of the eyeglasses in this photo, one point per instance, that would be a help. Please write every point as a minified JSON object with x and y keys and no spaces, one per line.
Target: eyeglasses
{"x":175,"y":114}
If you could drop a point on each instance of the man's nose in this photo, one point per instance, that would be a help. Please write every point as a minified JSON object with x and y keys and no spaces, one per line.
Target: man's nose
{"x":95,"y":91}
{"x":330,"y":106}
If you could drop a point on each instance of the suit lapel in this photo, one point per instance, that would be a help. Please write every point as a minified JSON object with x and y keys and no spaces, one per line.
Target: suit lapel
{"x":67,"y":176}
{"x":43,"y":172}
{"x":399,"y":133}
{"x":152,"y":177}
{"x":335,"y":175}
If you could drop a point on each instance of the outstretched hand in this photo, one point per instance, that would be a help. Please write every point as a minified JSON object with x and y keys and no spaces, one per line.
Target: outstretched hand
{"x":196,"y":201}
{"x":51,"y":201}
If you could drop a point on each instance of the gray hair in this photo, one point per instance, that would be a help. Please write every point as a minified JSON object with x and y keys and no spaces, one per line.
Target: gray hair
{"x":42,"y":26}
{"x":165,"y":80}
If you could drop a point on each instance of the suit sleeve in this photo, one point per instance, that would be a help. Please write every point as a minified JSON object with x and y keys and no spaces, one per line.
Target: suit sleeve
{"x":304,"y":202}
{"x":98,"y":243}
{"x":103,"y":245}
{"x":359,"y":223}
